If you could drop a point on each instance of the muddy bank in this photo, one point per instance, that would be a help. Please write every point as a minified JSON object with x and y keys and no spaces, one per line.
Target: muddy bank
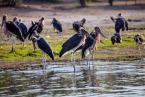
{"x":23,"y":64}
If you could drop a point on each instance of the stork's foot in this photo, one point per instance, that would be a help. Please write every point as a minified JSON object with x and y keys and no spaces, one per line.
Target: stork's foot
{"x":12,"y":50}
{"x":34,"y":49}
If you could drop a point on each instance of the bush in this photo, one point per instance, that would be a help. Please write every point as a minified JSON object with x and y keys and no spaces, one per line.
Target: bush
{"x":10,"y":2}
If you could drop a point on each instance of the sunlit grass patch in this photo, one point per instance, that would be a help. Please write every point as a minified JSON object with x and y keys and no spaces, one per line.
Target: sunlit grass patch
{"x":105,"y":50}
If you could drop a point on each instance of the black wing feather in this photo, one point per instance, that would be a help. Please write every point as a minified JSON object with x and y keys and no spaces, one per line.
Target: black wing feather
{"x":14,"y":29}
{"x":70,"y":43}
{"x":44,"y":46}
{"x":31,"y":31}
{"x":57,"y":25}
{"x":24,"y":29}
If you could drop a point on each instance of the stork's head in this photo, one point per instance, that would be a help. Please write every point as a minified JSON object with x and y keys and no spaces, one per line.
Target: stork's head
{"x":41,"y":21}
{"x":4,"y":18}
{"x":83,"y":21}
{"x":14,"y":19}
{"x":97,"y":31}
{"x":119,"y":14}
{"x":54,"y":19}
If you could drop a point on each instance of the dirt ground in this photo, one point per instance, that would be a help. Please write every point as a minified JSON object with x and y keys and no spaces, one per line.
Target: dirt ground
{"x":96,"y":14}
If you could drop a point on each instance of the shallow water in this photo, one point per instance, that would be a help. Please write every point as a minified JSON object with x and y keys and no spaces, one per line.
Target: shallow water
{"x":107,"y":79}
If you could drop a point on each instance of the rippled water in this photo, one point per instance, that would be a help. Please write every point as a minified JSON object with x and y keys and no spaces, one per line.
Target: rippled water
{"x":107,"y":79}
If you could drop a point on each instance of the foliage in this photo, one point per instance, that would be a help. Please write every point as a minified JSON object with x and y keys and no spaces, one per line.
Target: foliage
{"x":10,"y":2}
{"x":110,"y":2}
{"x":82,"y":3}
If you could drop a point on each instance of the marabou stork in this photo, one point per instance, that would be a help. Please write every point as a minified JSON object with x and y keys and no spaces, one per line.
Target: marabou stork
{"x":72,"y":44}
{"x":116,"y":38}
{"x":34,"y":30}
{"x":120,"y":23}
{"x":40,"y":25}
{"x":57,"y":25}
{"x":90,"y":44}
{"x":3,"y":26}
{"x":23,"y":29}
{"x":44,"y":47}
{"x":12,"y":29}
{"x":91,"y":41}
{"x":138,"y":39}
{"x":19,"y":25}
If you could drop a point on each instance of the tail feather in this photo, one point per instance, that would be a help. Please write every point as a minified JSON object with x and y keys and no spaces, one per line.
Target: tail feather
{"x":61,"y":53}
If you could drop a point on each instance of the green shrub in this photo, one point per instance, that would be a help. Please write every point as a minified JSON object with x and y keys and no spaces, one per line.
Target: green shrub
{"x":10,"y":2}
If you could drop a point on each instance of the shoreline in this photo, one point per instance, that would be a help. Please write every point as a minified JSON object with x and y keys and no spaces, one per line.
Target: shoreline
{"x":21,"y":64}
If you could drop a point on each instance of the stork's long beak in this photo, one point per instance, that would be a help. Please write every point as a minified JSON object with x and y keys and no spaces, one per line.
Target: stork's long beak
{"x":102,"y":34}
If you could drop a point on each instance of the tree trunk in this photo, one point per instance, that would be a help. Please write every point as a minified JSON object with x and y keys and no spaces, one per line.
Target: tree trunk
{"x":82,"y":3}
{"x":110,"y":2}
{"x":135,"y":2}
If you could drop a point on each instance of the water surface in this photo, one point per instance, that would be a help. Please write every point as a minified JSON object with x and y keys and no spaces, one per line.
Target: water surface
{"x":107,"y":79}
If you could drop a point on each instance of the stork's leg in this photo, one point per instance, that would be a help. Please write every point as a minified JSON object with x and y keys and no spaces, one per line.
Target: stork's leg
{"x":71,"y":57}
{"x":0,"y":41}
{"x":13,"y":43}
{"x":6,"y":39}
{"x":92,"y":59}
{"x":140,"y":51}
{"x":73,"y":62}
{"x":34,"y":45}
{"x":74,"y":70}
{"x":88,"y":59}
{"x":44,"y":60}
{"x":23,"y":43}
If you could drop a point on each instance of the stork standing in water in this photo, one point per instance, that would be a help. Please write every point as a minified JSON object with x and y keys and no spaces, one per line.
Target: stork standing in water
{"x":45,"y":48}
{"x":57,"y":25}
{"x":12,"y":29}
{"x":72,"y":44}
{"x":78,"y":24}
{"x":90,"y":43}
